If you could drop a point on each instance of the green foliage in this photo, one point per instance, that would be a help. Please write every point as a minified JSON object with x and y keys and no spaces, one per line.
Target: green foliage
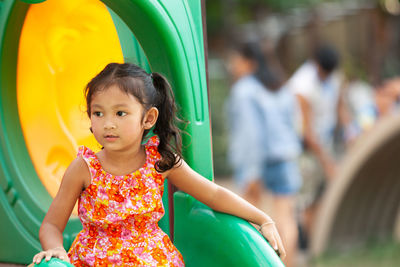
{"x":219,"y":90}
{"x":277,"y":5}
{"x":224,"y":15}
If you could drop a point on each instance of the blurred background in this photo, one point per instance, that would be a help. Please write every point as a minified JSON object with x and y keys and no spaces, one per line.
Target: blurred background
{"x":360,"y":224}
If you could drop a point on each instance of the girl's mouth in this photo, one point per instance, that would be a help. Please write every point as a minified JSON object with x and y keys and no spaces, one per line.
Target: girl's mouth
{"x":111,"y":138}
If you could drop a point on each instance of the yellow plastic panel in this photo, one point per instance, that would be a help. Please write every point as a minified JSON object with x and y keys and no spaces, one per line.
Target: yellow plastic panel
{"x":64,"y":43}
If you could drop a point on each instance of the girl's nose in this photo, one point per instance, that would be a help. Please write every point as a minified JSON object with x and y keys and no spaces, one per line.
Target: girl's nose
{"x":109,"y":126}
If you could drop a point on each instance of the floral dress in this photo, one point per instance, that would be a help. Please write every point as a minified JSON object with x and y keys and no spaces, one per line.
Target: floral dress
{"x":120,"y":215}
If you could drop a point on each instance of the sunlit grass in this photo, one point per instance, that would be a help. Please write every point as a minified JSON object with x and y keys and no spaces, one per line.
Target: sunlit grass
{"x":371,"y":255}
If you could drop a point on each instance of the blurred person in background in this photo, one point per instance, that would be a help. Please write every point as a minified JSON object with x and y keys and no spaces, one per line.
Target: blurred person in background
{"x":360,"y":99}
{"x":387,"y":97}
{"x":368,"y":104}
{"x":318,"y":87}
{"x":264,"y":144}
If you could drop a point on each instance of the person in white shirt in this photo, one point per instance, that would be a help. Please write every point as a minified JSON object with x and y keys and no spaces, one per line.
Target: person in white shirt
{"x":317,"y":85}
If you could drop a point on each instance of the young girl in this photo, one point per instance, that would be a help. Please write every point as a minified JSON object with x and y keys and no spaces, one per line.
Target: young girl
{"x":120,"y":188}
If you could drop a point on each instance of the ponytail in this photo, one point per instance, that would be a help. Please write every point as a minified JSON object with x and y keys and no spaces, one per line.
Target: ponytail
{"x":170,"y":146}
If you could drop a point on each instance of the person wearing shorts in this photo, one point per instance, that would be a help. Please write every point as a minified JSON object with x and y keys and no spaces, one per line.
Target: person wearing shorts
{"x":264,"y":143}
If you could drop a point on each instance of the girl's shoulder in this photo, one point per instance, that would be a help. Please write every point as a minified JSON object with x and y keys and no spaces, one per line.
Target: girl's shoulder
{"x":78,"y":173}
{"x":89,"y":157}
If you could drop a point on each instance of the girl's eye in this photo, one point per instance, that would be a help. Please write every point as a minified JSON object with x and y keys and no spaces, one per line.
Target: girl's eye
{"x":121,"y":113}
{"x":98,"y":114}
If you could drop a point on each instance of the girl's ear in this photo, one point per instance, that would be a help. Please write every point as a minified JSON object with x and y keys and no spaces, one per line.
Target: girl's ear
{"x":150,"y":118}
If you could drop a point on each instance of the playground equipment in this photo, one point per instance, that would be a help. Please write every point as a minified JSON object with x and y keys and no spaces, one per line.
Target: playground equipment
{"x":54,"y":262}
{"x":363,"y":202}
{"x":48,"y":52}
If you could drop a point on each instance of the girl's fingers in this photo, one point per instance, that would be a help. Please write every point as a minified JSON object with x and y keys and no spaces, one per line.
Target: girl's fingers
{"x":280,"y":246}
{"x":269,"y":235}
{"x":59,"y":255}
{"x":38,"y":257}
{"x":62,"y":255}
{"x":48,"y":256}
{"x":275,"y":241}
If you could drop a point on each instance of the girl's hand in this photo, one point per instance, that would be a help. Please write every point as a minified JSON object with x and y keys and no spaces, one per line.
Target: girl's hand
{"x":58,"y":252}
{"x":269,"y":231}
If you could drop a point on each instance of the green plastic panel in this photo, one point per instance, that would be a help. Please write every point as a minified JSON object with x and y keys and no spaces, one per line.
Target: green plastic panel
{"x":171,"y":42}
{"x":209,"y":238}
{"x":53,"y":262}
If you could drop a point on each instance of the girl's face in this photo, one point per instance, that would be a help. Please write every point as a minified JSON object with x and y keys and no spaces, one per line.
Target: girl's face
{"x":119,"y":120}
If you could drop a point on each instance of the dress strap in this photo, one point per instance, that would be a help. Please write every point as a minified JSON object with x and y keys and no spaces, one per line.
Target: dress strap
{"x":152,"y":153}
{"x":89,"y":157}
{"x":85,"y":152}
{"x":153,"y":141}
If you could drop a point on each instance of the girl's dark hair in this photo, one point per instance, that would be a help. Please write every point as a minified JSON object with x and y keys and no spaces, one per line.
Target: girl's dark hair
{"x":252,"y":51}
{"x":151,"y":90}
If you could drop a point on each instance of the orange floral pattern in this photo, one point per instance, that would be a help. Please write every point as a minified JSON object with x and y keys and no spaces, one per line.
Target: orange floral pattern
{"x":120,"y":215}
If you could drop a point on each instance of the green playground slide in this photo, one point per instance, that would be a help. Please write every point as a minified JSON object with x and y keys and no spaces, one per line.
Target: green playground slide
{"x":49,"y":50}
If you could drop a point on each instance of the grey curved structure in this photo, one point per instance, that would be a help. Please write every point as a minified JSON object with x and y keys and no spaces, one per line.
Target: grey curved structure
{"x":363,"y":202}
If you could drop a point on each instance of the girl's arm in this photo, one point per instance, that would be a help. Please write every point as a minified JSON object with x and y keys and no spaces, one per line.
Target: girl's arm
{"x":50,"y":234}
{"x":223,"y":200}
